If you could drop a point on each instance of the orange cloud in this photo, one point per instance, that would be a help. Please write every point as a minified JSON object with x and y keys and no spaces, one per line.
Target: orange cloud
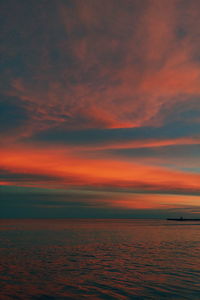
{"x":155,"y":201}
{"x":148,"y":143}
{"x":102,"y":172}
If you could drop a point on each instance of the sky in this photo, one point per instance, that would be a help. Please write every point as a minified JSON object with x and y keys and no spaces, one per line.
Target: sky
{"x":100,"y":109}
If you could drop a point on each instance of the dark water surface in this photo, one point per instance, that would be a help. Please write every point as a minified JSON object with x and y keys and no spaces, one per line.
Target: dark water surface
{"x":99,"y":259}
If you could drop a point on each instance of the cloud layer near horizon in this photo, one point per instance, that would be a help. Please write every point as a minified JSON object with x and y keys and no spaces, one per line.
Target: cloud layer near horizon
{"x":101,"y":95}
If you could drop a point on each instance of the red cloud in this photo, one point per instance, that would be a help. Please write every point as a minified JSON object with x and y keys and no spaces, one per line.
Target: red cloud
{"x":124,"y":67}
{"x":81,"y":171}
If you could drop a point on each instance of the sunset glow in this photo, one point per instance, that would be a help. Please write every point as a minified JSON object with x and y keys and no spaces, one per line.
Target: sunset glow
{"x":100,"y":103}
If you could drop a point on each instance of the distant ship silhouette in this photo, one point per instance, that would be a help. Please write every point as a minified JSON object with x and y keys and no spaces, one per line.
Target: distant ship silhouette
{"x":182,"y":219}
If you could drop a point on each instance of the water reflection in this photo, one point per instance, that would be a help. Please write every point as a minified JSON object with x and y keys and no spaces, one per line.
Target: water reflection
{"x":99,"y":259}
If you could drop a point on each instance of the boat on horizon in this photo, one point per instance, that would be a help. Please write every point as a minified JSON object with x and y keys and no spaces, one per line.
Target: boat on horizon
{"x":182,"y":219}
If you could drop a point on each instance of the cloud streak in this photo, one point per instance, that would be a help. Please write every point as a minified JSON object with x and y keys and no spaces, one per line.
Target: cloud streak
{"x":73,"y":170}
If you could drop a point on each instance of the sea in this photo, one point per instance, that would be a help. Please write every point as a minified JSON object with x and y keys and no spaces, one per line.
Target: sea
{"x":54,"y":259}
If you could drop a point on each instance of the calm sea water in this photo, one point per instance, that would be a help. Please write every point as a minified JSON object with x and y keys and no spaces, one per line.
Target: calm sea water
{"x":99,"y":259}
